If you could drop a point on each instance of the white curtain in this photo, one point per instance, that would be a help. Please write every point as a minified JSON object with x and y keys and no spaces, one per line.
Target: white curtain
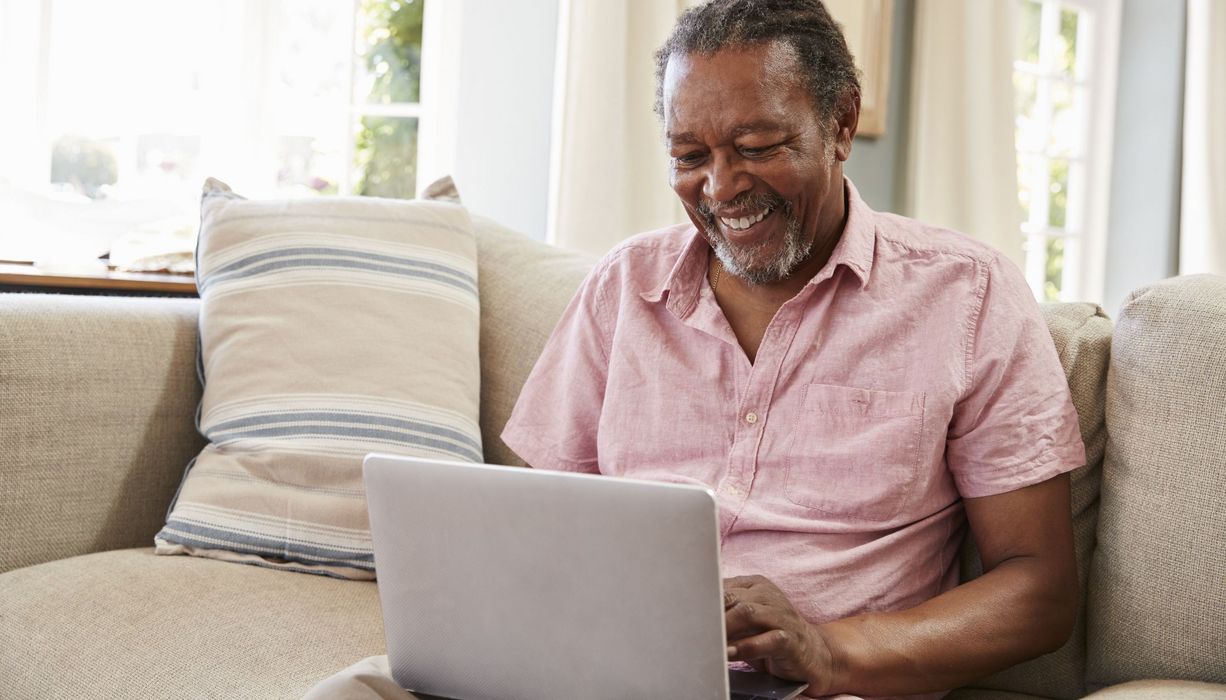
{"x":609,"y":175}
{"x":962,"y":165}
{"x":1202,"y":236}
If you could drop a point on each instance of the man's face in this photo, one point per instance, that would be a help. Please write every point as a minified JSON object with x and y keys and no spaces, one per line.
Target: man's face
{"x":752,"y":162}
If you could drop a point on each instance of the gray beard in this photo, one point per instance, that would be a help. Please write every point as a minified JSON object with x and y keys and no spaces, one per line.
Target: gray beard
{"x":744,"y":262}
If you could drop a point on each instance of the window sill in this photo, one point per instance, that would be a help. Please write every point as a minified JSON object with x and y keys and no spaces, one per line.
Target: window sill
{"x":30,"y":278}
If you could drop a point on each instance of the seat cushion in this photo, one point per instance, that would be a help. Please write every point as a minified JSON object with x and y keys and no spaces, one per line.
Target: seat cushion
{"x":985,"y":694}
{"x":1156,"y":601}
{"x":1161,"y":690}
{"x":128,"y":624}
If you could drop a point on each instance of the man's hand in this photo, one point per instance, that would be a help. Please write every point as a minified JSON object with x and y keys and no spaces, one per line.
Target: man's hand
{"x":765,"y":631}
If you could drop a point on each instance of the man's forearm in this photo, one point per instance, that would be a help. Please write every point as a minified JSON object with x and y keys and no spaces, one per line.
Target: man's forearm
{"x":1014,"y":612}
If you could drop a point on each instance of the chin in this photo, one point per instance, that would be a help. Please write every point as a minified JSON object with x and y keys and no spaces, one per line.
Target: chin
{"x":763,"y":264}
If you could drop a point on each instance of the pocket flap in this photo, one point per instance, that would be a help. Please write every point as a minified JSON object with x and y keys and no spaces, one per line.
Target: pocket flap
{"x":853,"y":401}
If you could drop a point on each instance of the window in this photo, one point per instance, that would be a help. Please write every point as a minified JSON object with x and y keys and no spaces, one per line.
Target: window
{"x":115,"y":112}
{"x":1063,"y":76}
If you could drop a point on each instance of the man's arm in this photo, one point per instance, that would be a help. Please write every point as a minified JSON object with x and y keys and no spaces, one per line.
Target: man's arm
{"x":1023,"y":606}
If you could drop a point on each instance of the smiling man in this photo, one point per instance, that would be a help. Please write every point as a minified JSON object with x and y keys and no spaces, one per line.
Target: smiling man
{"x":856,"y":387}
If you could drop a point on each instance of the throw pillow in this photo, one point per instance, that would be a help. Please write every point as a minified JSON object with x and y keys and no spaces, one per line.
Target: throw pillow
{"x":329,"y":328}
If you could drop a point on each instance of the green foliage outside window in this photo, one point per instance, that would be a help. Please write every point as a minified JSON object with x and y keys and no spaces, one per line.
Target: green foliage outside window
{"x":1054,"y":271}
{"x":1057,"y":205}
{"x":86,"y":165}
{"x":386,"y":147}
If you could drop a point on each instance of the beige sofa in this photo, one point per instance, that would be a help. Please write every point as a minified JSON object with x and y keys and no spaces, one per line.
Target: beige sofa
{"x":97,"y":401}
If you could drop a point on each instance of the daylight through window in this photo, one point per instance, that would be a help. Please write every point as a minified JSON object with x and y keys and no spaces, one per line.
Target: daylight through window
{"x":134,"y":102}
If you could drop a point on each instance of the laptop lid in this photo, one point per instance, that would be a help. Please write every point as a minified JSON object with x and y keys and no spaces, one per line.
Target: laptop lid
{"x":504,"y":582}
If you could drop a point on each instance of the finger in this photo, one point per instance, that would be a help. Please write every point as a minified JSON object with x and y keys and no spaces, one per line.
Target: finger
{"x":744,"y":581}
{"x":771,"y":644}
{"x":746,"y":619}
{"x":746,"y":614}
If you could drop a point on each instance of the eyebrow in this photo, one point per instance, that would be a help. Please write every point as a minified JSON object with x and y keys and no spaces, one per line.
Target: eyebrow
{"x":740,"y":130}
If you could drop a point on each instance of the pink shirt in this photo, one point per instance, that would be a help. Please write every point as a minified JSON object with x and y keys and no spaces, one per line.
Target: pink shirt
{"x":912,"y":371}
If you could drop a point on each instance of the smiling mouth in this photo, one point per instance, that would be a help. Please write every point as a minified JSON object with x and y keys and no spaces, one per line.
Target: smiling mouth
{"x":745,"y":222}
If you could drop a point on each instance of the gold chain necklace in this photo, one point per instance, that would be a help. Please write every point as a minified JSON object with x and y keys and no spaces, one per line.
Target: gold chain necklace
{"x":719,"y":267}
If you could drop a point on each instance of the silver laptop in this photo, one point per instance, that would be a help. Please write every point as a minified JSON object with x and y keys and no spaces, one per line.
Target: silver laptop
{"x":511,"y":583}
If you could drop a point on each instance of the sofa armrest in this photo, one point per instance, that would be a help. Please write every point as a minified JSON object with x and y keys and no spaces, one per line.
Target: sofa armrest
{"x":98,"y":398}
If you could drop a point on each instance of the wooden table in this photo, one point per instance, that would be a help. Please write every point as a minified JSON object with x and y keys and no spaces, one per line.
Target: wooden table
{"x":28,"y":277}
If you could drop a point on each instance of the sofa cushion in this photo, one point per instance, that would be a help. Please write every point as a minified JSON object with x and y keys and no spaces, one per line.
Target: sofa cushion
{"x":984,"y":694}
{"x":128,"y":624}
{"x":1082,"y":335}
{"x":329,"y":328}
{"x":1161,"y":690}
{"x":525,"y":286}
{"x":1157,"y":598}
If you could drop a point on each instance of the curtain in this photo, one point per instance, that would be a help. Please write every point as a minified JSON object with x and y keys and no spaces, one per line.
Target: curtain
{"x":609,"y":175}
{"x":962,"y":163}
{"x":1202,"y":235}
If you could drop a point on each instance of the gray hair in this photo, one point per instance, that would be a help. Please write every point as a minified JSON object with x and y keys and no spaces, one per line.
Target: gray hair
{"x":804,"y":26}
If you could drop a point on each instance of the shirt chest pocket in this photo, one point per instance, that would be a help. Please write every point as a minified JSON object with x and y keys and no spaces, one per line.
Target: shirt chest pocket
{"x":854,"y":453}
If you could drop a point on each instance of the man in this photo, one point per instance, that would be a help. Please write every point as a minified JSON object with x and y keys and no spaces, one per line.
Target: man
{"x":855,"y":387}
{"x":849,"y":383}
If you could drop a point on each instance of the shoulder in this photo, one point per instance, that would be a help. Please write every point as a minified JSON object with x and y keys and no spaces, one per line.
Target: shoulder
{"x":905,"y":238}
{"x":943,"y":252}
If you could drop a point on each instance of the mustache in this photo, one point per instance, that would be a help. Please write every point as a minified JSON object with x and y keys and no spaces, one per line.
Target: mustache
{"x":754,"y":201}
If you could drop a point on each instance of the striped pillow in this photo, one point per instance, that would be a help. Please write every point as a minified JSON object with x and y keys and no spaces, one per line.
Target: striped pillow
{"x":329,"y":328}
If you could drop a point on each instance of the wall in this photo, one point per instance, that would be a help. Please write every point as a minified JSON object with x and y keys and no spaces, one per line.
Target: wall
{"x":504,"y":104}
{"x":1143,"y":223}
{"x":877,"y":164}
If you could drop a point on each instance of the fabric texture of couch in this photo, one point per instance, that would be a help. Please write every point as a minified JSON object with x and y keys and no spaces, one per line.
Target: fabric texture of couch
{"x":97,"y":407}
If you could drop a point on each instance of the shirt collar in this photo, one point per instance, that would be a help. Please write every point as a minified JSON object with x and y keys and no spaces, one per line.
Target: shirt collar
{"x":683,"y":283}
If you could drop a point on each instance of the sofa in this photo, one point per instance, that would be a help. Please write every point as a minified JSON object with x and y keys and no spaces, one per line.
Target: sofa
{"x":97,"y":404}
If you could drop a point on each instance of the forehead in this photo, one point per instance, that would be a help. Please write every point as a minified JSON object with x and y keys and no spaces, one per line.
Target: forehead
{"x":733,"y":87}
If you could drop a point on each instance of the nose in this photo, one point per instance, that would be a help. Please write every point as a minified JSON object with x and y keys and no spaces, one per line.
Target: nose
{"x":726,"y":179}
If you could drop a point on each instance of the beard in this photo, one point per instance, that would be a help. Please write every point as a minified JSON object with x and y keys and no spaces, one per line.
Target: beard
{"x":755,"y":264}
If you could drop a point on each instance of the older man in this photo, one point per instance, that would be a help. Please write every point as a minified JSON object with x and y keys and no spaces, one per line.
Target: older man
{"x":856,"y":387}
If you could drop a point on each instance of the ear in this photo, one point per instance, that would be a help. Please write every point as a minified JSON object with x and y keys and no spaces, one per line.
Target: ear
{"x":847,"y":120}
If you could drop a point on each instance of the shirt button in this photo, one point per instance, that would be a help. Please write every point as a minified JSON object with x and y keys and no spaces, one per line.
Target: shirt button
{"x":751,"y":417}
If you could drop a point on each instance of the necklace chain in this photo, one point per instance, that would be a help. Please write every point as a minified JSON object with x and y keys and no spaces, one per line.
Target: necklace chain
{"x":719,"y":268}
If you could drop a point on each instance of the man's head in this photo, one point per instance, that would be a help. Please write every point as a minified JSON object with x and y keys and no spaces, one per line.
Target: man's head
{"x":759,"y":100}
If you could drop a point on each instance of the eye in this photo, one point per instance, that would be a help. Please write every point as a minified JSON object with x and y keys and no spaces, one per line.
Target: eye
{"x":757,"y":151}
{"x":688,"y":160}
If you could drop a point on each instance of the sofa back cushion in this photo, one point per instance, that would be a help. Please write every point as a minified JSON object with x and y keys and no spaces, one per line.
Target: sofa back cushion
{"x":1158,"y":581}
{"x":329,"y":328}
{"x":1082,"y":335}
{"x":525,"y":286}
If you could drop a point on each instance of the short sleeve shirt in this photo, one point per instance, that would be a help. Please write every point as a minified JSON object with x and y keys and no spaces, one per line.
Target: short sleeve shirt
{"x":912,"y":371}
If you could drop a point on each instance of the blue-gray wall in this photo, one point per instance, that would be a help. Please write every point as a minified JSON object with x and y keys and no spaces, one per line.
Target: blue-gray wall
{"x":1143,"y":222}
{"x":877,"y":165}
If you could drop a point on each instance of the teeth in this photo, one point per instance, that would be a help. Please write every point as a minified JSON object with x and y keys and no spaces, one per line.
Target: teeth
{"x":744,"y":222}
